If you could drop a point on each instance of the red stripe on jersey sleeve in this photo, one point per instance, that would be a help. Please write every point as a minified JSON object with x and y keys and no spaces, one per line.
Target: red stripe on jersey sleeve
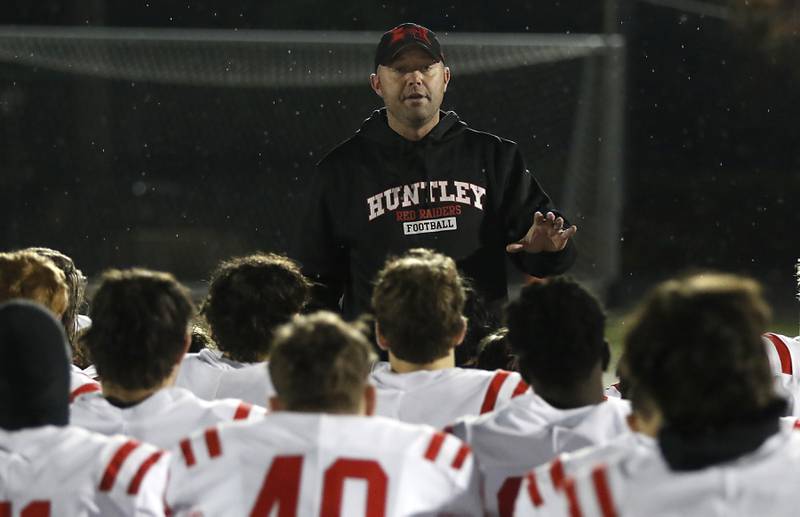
{"x":110,"y":475}
{"x":461,"y":456}
{"x":507,"y":496}
{"x":188,"y":453}
{"x":243,"y":411}
{"x":89,"y":387}
{"x":533,"y":489}
{"x":783,"y":352}
{"x":212,"y":442}
{"x":521,"y":388}
{"x":434,"y":447}
{"x":493,"y":391}
{"x":557,"y":473}
{"x":603,"y":492}
{"x":136,"y":482}
{"x":797,"y":424}
{"x":572,"y":498}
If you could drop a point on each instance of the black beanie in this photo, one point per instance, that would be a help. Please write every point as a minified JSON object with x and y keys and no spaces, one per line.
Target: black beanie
{"x":34,"y":367}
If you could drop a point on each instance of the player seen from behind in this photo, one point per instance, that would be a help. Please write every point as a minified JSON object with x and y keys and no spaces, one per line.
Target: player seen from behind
{"x":319,"y":452}
{"x":557,"y":330}
{"x":48,"y":467}
{"x":139,"y":334}
{"x":695,"y":349}
{"x":248,"y":299}
{"x":418,"y":302}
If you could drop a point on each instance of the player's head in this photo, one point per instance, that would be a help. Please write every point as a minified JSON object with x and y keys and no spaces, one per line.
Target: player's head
{"x":410,"y":74}
{"x":201,"y":340}
{"x":695,"y":349}
{"x":249,"y":298}
{"x":495,"y":352}
{"x":481,"y":322}
{"x":418,"y":301}
{"x":76,"y":285}
{"x":557,"y":330}
{"x":24,"y":274}
{"x":34,"y":372}
{"x":140,"y":328}
{"x":319,"y":363}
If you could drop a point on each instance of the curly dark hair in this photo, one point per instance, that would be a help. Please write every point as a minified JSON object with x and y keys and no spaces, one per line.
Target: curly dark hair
{"x":333,"y":354}
{"x":557,"y":328}
{"x":695,"y":348}
{"x":481,"y":323}
{"x":249,"y":298}
{"x":140,"y":320}
{"x":495,"y":352}
{"x":418,"y":303}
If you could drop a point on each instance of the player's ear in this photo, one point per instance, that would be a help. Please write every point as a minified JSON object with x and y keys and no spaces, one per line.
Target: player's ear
{"x":275,"y":404}
{"x":446,"y":77}
{"x":187,"y":342}
{"x":459,"y":338}
{"x":605,"y":356}
{"x":369,"y":400}
{"x":375,"y":83}
{"x":379,"y":339}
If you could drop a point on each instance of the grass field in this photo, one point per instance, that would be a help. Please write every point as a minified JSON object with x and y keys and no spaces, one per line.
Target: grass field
{"x":783,"y":323}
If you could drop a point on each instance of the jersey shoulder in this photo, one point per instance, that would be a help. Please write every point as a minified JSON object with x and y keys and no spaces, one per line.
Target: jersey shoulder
{"x":69,"y":466}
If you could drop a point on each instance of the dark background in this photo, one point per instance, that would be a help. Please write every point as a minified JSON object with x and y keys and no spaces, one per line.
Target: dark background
{"x":711,"y":125}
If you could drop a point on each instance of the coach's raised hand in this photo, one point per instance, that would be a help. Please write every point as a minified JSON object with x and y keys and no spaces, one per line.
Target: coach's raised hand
{"x":546,"y":234}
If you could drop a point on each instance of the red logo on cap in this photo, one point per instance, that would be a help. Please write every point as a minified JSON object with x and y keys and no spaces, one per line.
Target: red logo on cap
{"x":420,"y":33}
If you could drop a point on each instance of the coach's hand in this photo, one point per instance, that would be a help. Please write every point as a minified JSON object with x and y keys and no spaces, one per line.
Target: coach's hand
{"x":546,"y":234}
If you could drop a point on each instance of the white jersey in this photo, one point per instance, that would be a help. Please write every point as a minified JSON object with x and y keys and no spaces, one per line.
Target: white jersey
{"x":529,"y":432}
{"x":211,"y":376}
{"x":612,"y":391}
{"x":440,"y":397}
{"x":80,"y":384}
{"x":53,"y":470}
{"x":543,"y":485}
{"x":784,"y":359}
{"x":162,"y":419}
{"x":763,"y":482}
{"x":317,"y":464}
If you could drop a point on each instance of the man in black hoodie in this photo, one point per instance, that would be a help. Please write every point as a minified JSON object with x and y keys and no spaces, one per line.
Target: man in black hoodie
{"x":416,"y":177}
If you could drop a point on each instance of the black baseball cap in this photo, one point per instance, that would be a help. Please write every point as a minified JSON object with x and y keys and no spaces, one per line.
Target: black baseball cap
{"x":403,"y":36}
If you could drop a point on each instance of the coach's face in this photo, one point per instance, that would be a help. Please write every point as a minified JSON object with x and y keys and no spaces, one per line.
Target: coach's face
{"x":412,"y":86}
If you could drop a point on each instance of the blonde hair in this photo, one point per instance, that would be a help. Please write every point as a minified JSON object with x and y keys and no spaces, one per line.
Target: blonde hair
{"x":24,"y":274}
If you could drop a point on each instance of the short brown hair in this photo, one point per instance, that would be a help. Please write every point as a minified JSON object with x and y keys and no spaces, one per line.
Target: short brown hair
{"x":140,"y":320}
{"x":695,"y":349}
{"x":24,"y":274}
{"x":418,"y":302}
{"x":320,"y":363}
{"x":249,"y":298}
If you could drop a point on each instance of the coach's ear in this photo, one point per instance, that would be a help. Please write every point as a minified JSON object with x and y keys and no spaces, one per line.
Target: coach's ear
{"x":375,"y":83}
{"x":369,"y":399}
{"x":275,"y":404}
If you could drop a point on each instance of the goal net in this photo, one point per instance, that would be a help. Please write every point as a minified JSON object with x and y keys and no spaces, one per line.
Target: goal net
{"x":175,"y":148}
